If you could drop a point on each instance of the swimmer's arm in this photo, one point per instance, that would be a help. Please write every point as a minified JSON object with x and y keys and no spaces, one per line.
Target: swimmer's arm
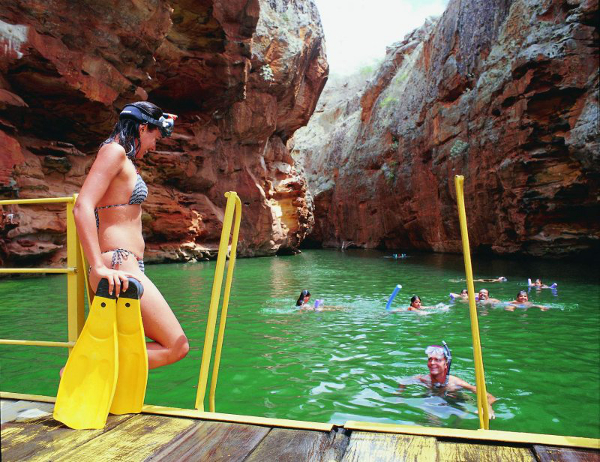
{"x":491,"y":399}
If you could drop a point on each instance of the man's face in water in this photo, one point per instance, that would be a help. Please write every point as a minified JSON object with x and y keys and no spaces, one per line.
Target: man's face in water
{"x":436,"y":364}
{"x":483,"y":294}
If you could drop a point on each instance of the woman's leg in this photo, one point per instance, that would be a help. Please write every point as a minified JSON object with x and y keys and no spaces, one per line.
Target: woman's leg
{"x":160,"y":324}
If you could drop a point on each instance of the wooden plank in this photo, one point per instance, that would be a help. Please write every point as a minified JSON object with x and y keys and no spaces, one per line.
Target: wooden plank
{"x":46,"y":439}
{"x":338,"y":446}
{"x":465,"y":452}
{"x":214,"y":441}
{"x":377,"y":447}
{"x":482,"y":435}
{"x":137,"y":438}
{"x":285,"y":445}
{"x":233,"y":418}
{"x":558,"y":454}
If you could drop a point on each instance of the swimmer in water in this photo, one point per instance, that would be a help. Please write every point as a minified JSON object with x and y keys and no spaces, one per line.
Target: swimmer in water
{"x":415,"y":305}
{"x":303,"y":303}
{"x":522,"y":301}
{"x":303,"y":299}
{"x":439,"y":361}
{"x":498,"y":279}
{"x":462,"y":297}
{"x":538,"y":284}
{"x":484,"y":297}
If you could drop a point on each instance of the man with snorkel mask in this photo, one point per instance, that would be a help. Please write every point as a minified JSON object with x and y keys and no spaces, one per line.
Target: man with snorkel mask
{"x":439,"y":361}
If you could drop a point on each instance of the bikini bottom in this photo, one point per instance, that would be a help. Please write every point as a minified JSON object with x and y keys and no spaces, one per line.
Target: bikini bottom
{"x":123,"y":254}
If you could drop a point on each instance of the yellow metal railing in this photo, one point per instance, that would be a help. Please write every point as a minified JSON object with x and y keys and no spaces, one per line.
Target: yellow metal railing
{"x":75,"y":276}
{"x":482,"y":402}
{"x":233,"y":205}
{"x":77,"y":281}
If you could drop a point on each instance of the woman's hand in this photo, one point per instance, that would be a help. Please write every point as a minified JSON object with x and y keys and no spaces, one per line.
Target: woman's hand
{"x":117,"y":279}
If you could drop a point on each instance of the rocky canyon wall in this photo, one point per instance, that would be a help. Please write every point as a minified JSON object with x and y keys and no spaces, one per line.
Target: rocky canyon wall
{"x":504,"y":92}
{"x":243,"y":76}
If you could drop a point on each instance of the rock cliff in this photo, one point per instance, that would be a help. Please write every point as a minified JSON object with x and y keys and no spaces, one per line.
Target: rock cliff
{"x":243,"y":76}
{"x":504,"y":92}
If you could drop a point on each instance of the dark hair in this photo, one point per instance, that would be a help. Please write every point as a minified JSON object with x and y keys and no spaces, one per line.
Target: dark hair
{"x":464,"y":291}
{"x":127,"y":130}
{"x":524,"y":292}
{"x":414,"y":298}
{"x":303,"y":294}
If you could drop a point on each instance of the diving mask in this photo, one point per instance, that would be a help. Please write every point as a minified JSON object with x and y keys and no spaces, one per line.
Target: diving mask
{"x":435,"y":350}
{"x":164,"y":124}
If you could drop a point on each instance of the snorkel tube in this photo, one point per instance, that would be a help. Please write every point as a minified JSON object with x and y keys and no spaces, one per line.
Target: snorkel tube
{"x":448,"y":355}
{"x":391,"y":299}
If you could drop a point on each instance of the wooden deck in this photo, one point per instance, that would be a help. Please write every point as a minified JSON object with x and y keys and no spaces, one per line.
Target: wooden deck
{"x":30,"y":433}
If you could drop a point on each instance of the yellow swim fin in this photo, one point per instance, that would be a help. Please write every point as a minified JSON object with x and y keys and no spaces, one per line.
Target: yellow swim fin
{"x":88,"y":383}
{"x":133,"y":356}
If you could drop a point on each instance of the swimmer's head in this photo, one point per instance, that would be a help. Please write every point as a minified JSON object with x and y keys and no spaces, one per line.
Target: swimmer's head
{"x":502,"y":279}
{"x":438,"y":355}
{"x":484,"y":294}
{"x":144,"y":112}
{"x":127,"y":130}
{"x":304,"y":297}
{"x":464,"y":292}
{"x":538,"y":282}
{"x":415,"y":301}
{"x":522,"y":296}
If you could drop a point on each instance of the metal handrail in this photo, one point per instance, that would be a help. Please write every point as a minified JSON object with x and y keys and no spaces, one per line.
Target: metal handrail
{"x":75,"y":279}
{"x":233,"y":204}
{"x":482,"y":402}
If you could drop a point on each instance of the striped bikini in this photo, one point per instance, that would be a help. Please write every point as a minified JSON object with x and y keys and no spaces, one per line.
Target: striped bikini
{"x":138,"y":195}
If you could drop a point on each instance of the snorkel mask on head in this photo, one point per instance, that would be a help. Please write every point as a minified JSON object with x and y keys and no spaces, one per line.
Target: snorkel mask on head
{"x":164,"y":124}
{"x":443,"y":350}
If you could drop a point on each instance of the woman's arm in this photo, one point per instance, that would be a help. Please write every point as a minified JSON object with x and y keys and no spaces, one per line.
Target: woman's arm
{"x":108,"y":164}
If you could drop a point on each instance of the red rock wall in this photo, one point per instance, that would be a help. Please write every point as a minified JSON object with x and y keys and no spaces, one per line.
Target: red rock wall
{"x":503,"y":92}
{"x":243,"y":75}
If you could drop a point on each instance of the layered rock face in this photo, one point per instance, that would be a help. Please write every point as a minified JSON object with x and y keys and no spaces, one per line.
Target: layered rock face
{"x":243,"y":76}
{"x":503,"y":92}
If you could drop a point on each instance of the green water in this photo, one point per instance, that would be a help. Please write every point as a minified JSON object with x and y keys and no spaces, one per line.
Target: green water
{"x":544,"y":367}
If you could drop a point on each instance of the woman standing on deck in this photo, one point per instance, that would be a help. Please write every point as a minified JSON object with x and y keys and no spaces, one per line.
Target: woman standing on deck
{"x":108,"y":216}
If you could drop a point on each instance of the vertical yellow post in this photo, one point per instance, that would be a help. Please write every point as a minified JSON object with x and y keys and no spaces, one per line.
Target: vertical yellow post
{"x":75,"y":280}
{"x":214,"y":302}
{"x":482,"y":402}
{"x":228,"y":280}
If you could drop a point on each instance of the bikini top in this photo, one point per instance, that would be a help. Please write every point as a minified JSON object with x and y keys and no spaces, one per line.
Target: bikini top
{"x":138,"y":195}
